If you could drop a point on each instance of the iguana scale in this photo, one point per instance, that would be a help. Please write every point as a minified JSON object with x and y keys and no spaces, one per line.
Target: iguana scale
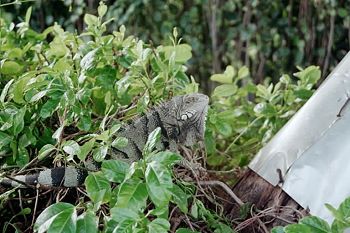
{"x":181,"y":120}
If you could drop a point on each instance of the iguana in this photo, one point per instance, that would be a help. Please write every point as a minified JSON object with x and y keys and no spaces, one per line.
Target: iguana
{"x":181,"y":120}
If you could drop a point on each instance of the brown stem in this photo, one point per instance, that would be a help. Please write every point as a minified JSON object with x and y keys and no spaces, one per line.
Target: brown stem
{"x":212,"y":16}
{"x":260,"y":72}
{"x":329,"y":45}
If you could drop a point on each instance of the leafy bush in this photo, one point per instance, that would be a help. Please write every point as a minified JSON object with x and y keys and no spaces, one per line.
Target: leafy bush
{"x":318,"y":225}
{"x":244,"y":117}
{"x":270,"y":38}
{"x":63,"y":98}
{"x":64,"y":95}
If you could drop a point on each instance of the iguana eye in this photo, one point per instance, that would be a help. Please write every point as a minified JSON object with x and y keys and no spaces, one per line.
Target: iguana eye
{"x":187,"y":115}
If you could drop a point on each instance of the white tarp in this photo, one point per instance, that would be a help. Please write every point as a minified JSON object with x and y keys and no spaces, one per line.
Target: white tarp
{"x":313,"y":149}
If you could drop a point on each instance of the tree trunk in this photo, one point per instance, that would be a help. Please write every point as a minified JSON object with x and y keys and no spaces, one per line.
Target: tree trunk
{"x":270,"y":205}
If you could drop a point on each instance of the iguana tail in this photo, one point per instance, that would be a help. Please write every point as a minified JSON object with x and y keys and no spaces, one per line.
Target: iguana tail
{"x":55,"y":177}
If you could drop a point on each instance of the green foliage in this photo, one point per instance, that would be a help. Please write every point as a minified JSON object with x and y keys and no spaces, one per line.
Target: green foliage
{"x":270,"y":38}
{"x":64,"y":97}
{"x":144,"y":182}
{"x":317,"y":225}
{"x":245,"y":115}
{"x":68,"y":84}
{"x":59,"y":217}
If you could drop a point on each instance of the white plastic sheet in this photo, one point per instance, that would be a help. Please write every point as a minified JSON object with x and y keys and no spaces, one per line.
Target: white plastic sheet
{"x":312,"y":150}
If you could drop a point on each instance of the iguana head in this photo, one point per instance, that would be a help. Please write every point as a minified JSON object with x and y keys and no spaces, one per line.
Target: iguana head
{"x":188,"y":115}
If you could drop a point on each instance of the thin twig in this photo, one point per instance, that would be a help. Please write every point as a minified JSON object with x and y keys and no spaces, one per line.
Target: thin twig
{"x":225,"y":187}
{"x":241,"y":134}
{"x":35,"y":206}
{"x":188,"y":222}
{"x":29,"y":164}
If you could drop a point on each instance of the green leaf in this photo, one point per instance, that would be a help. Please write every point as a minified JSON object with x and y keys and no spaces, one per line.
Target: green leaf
{"x":136,"y":169}
{"x":71,"y":147}
{"x":182,"y":52}
{"x":86,"y":148}
{"x":160,"y":212}
{"x":90,"y":20}
{"x":159,"y":225}
{"x":125,"y":226}
{"x":104,"y":136}
{"x":87,"y":222}
{"x":28,"y":14}
{"x":62,"y":65}
{"x":316,"y":224}
{"x":179,"y":197}
{"x":98,"y":188}
{"x":334,"y":211}
{"x":5,"y":90}
{"x":6,"y":125}
{"x":18,"y":88}
{"x":10,"y":68}
{"x":166,"y":158}
{"x":185,"y":230}
{"x":265,"y":109}
{"x":303,"y":94}
{"x":59,"y":217}
{"x":88,"y":60}
{"x":152,"y":140}
{"x":25,"y":211}
{"x":18,"y":121}
{"x":120,"y":142}
{"x":158,"y":183}
{"x":45,"y":151}
{"x":5,"y":139}
{"x":15,"y":53}
{"x":297,"y":228}
{"x":310,"y":75}
{"x":263,"y":92}
{"x":344,"y":209}
{"x":22,"y":156}
{"x":132,"y":195}
{"x":124,"y":214}
{"x":223,"y":228}
{"x":102,"y":9}
{"x":57,"y":49}
{"x":49,"y":107}
{"x":194,"y":210}
{"x":100,"y":153}
{"x":57,"y":134}
{"x":226,"y":77}
{"x":224,"y":128}
{"x":114,"y":129}
{"x":225,"y":90}
{"x":338,"y":226}
{"x":243,"y":72}
{"x":114,"y":170}
{"x":278,"y":229}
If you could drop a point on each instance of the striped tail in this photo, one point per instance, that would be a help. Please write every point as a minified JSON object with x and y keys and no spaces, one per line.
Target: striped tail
{"x":55,"y":177}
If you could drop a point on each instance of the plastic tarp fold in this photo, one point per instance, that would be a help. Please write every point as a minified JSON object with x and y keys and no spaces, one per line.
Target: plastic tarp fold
{"x":312,"y":151}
